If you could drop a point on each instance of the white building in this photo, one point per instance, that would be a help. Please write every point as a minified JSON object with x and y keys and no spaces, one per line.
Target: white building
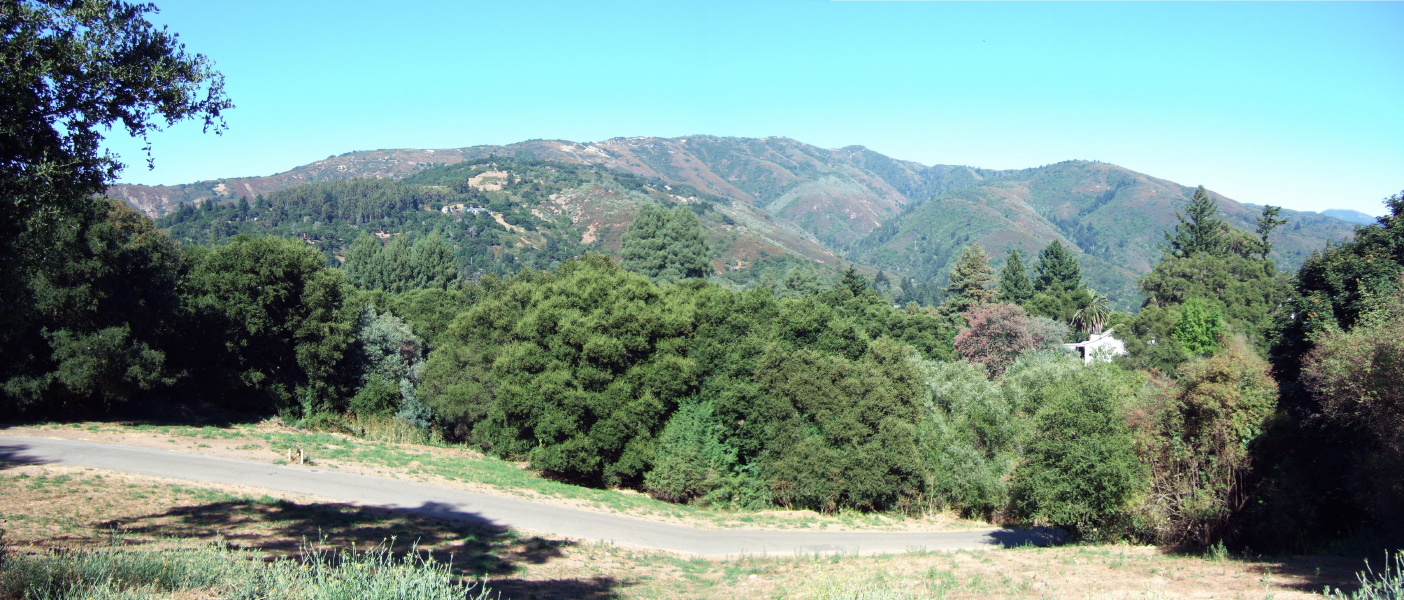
{"x":1101,"y":347}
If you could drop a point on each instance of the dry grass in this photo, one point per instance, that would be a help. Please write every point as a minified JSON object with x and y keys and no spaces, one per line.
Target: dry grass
{"x":47,"y":507}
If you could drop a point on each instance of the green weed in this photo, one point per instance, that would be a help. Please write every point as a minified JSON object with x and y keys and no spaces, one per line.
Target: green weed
{"x":1385,"y":585}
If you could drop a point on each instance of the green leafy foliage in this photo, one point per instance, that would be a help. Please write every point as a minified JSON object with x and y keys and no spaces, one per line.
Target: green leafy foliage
{"x":1355,"y":378}
{"x":377,"y":397}
{"x":100,"y":309}
{"x":1200,"y":328}
{"x":1213,"y":279}
{"x":274,"y":329}
{"x":1196,"y":436}
{"x":1151,"y":344}
{"x":388,"y":348}
{"x":576,"y":369}
{"x":1341,"y":283}
{"x":843,"y":432}
{"x":582,"y":369}
{"x":1081,"y":470}
{"x":969,"y":438}
{"x":1249,"y":290}
{"x":400,"y":265}
{"x":77,"y":273}
{"x":72,"y":71}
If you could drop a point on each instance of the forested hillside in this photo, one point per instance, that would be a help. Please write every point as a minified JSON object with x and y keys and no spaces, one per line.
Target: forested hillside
{"x":496,"y":214}
{"x":1112,"y":217}
{"x":897,"y":216}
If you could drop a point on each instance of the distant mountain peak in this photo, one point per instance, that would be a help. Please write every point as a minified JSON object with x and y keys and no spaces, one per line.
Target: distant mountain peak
{"x":1349,"y":216}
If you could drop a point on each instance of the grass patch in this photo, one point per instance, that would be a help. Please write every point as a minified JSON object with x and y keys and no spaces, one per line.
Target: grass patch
{"x":318,"y":574}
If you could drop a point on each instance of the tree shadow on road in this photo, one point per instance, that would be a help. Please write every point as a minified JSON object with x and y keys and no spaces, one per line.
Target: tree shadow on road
{"x":475,"y":547}
{"x":12,"y":456}
{"x":1018,"y":537}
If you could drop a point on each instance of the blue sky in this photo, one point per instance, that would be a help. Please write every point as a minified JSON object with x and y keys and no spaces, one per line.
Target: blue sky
{"x":1294,"y":104}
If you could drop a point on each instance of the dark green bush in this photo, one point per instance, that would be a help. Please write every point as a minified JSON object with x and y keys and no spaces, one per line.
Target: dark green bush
{"x":1081,"y":470}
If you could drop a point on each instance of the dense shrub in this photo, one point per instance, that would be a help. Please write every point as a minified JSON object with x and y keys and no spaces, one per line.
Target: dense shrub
{"x":1195,"y":435}
{"x":969,"y":434}
{"x":272,"y":328}
{"x":807,"y":401}
{"x":576,"y":370}
{"x":1357,"y":378}
{"x":843,"y":432}
{"x":1080,"y":469}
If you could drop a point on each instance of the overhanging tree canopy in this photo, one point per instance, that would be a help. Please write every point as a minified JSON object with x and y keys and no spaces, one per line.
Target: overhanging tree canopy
{"x":70,"y":70}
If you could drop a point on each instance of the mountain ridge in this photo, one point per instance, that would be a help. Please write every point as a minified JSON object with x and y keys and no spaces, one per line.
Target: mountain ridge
{"x":860,"y":204}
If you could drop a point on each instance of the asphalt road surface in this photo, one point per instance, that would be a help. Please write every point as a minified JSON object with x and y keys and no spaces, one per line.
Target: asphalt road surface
{"x":495,"y":511}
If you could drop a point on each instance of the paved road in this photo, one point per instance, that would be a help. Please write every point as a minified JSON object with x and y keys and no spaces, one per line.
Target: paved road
{"x":491,"y":510}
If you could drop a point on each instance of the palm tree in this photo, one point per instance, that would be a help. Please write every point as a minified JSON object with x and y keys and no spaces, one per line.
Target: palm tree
{"x":1092,"y":318}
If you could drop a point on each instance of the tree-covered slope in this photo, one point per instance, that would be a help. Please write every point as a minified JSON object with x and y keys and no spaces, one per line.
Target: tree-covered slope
{"x":1113,"y":217}
{"x":822,"y":191}
{"x":787,"y":198}
{"x":498,"y":214}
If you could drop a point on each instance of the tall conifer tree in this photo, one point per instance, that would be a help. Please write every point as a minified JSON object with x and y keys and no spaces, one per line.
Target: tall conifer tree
{"x":434,"y":263}
{"x":394,"y":266}
{"x":642,"y":246}
{"x":1266,"y":223}
{"x":359,"y":260}
{"x":1057,"y":270}
{"x":1014,"y":284}
{"x":687,"y":253}
{"x":971,"y":279}
{"x":1200,"y":229}
{"x":666,"y":245}
{"x":853,"y":281}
